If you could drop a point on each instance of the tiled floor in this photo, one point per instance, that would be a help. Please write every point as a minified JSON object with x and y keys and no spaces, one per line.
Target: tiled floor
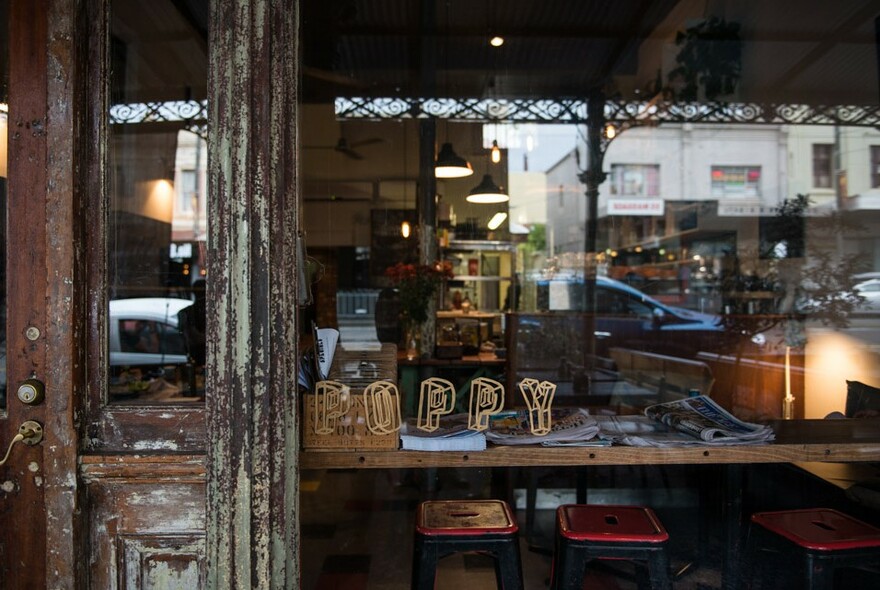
{"x":358,"y":525}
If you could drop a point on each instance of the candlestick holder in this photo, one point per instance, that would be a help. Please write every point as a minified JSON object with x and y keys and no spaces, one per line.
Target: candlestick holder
{"x":788,"y":408}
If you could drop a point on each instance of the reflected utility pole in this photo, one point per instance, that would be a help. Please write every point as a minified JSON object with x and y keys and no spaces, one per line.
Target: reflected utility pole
{"x":592,"y":177}
{"x":426,"y":207}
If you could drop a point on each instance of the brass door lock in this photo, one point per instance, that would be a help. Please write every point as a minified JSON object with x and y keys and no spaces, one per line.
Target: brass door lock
{"x":30,"y":433}
{"x":31,"y":392}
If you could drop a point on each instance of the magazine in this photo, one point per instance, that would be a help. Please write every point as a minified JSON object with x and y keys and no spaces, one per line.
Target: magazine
{"x":707,"y":422}
{"x":570,"y":425}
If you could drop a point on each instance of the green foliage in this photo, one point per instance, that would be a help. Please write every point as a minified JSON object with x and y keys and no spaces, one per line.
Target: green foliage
{"x":537,"y":239}
{"x":711,"y":56}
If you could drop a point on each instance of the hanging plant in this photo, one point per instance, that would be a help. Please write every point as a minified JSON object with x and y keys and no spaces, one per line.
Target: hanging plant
{"x":710,"y":58}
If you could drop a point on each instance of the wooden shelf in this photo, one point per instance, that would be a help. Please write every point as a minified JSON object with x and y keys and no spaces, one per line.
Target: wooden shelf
{"x":796,"y":440}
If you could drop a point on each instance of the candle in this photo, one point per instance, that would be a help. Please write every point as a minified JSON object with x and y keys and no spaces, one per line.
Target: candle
{"x":788,"y":373}
{"x":788,"y":402}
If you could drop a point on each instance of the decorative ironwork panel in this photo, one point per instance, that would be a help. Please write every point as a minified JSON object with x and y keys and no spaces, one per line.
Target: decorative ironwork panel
{"x":621,"y":114}
{"x":193,"y":114}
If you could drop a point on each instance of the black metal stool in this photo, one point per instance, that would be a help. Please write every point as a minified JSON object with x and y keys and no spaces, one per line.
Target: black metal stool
{"x":587,"y":531}
{"x":821,"y":539}
{"x":444,"y":527}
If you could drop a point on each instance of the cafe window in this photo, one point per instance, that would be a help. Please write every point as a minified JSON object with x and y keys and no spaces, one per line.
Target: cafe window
{"x":635,"y":180}
{"x":822,"y":165}
{"x":186,"y":189}
{"x":736,"y":181}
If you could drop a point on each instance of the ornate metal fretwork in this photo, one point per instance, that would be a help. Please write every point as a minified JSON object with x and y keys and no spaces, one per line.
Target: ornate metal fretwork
{"x":620,"y":114}
{"x":192,"y":114}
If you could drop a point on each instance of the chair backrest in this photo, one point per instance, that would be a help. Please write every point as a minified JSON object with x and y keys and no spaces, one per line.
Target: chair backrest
{"x":861,"y":398}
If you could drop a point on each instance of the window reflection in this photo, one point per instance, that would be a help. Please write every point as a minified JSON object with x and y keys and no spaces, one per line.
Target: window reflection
{"x":157,"y":226}
{"x":722,"y":237}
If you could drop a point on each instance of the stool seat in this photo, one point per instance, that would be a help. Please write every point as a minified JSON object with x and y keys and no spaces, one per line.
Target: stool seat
{"x":819,"y":540}
{"x":820,"y":529}
{"x":470,"y":517}
{"x":444,"y":527}
{"x":587,"y":522}
{"x":592,"y":531}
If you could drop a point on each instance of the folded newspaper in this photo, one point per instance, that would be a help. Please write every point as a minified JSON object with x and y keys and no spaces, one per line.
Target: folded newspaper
{"x":569,"y":426}
{"x":690,"y":421}
{"x":451,"y":435}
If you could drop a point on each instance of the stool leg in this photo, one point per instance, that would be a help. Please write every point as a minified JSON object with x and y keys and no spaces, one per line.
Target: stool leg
{"x":819,"y":574}
{"x":424,"y":565}
{"x":508,"y":566}
{"x":658,"y":570}
{"x":568,"y":568}
{"x":531,"y":500}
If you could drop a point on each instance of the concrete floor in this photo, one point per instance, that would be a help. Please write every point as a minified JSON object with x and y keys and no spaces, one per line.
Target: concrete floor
{"x":357,"y":525}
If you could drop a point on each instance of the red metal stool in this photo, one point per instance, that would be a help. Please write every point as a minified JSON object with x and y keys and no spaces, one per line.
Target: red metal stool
{"x":588,"y":531}
{"x":825,"y":539}
{"x":444,"y":527}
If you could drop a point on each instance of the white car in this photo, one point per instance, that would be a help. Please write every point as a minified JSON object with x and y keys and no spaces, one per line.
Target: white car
{"x":147,"y":331}
{"x":870,"y":290}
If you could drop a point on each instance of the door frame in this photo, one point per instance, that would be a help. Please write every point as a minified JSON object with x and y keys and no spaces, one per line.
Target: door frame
{"x":42,"y":524}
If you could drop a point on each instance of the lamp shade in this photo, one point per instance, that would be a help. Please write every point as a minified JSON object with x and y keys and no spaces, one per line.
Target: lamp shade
{"x":451,"y":165}
{"x":487,"y":192}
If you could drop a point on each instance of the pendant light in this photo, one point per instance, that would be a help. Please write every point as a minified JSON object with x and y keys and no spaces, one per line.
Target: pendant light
{"x":451,"y":165}
{"x":487,"y":192}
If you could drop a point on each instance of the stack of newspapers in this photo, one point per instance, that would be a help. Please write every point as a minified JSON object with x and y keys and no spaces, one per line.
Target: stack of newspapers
{"x":691,"y":421}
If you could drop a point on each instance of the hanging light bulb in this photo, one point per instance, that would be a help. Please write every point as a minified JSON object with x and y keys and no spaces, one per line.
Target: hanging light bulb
{"x":496,"y":152}
{"x":610,"y":131}
{"x":405,"y":229}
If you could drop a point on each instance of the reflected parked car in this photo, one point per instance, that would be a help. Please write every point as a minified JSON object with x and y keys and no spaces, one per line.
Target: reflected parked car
{"x":627,"y":318}
{"x":148,"y":332}
{"x":870,"y":291}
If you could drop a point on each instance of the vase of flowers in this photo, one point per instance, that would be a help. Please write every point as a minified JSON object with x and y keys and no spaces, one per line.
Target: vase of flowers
{"x":416,"y":286}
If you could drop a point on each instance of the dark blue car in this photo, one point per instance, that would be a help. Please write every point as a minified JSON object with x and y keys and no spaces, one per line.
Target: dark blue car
{"x":627,"y":318}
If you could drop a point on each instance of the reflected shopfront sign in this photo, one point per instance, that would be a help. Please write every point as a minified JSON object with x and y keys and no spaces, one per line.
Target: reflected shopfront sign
{"x":635,"y":207}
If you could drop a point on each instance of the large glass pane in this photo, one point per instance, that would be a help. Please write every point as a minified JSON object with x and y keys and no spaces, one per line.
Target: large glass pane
{"x":156,"y":246}
{"x":693,"y":208}
{"x":4,"y":118}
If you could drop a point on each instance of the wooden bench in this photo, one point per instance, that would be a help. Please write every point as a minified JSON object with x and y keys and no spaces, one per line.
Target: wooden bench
{"x":655,"y":378}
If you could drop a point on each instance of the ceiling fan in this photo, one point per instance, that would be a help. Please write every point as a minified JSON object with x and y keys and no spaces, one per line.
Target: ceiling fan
{"x":348,"y":149}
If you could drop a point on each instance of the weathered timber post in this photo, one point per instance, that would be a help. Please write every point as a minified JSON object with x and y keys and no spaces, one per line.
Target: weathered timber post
{"x":252,"y":490}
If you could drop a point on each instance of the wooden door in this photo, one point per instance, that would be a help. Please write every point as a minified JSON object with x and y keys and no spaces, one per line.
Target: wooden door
{"x":139,"y":258}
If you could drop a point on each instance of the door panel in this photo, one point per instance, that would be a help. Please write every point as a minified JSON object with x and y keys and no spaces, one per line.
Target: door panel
{"x":144,"y":465}
{"x":148,"y":520}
